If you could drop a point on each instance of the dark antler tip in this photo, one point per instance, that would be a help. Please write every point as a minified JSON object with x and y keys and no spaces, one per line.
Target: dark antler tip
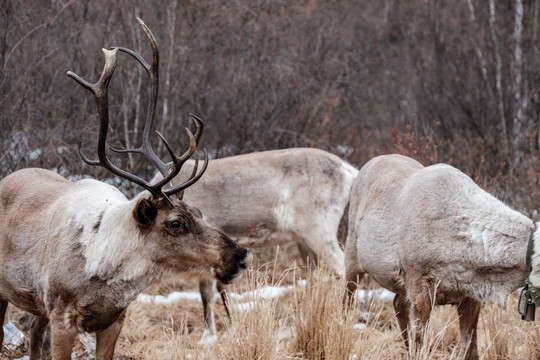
{"x":196,"y":120}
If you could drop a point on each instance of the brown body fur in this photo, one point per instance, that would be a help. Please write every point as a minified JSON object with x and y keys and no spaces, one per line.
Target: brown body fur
{"x":76,"y":254}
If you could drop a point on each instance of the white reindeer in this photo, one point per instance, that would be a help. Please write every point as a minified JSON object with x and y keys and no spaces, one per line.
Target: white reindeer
{"x":274,"y":197}
{"x":76,"y":254}
{"x":432,"y":236}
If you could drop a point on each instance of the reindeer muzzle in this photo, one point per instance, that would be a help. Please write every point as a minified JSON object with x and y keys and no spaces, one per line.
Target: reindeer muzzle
{"x":235,"y":261}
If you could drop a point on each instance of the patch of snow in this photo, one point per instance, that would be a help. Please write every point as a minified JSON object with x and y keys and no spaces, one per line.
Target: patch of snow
{"x":359,"y":326}
{"x":344,"y":150}
{"x":381,"y":294}
{"x":248,"y":300}
{"x":172,"y":297}
{"x":267,"y":292}
{"x":250,"y":305}
{"x":34,"y":154}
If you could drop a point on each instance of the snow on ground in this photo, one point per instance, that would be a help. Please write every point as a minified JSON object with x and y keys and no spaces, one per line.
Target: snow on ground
{"x":245,"y":300}
{"x":248,"y":300}
{"x":171,"y":298}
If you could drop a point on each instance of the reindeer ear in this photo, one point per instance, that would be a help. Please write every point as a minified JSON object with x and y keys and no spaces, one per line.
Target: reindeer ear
{"x":145,"y":213}
{"x":180,"y":195}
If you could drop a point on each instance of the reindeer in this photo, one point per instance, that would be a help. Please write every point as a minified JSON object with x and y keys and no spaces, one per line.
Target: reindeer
{"x":432,"y":236}
{"x":273,"y":197}
{"x":76,"y":254}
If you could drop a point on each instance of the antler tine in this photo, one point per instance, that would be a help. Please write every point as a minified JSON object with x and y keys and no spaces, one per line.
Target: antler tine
{"x":175,"y":165}
{"x":199,"y":129}
{"x":178,"y":161}
{"x":192,"y":179}
{"x":169,"y":170}
{"x":153,"y":72}
{"x":199,"y":126}
{"x":100,"y":92}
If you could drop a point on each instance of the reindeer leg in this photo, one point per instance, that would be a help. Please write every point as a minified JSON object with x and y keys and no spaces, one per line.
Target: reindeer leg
{"x":353,"y":270}
{"x":332,"y":255}
{"x":206,"y":287}
{"x":37,"y":330}
{"x":63,"y":335}
{"x":3,"y":308}
{"x":352,"y":278}
{"x":46,"y":346}
{"x":106,"y":339}
{"x":323,"y":243}
{"x":402,"y":308}
{"x":308,"y":256}
{"x":468,"y":312}
{"x":422,"y":297}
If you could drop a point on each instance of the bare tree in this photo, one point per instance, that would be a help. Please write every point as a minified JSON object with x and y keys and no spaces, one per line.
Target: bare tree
{"x":356,"y":78}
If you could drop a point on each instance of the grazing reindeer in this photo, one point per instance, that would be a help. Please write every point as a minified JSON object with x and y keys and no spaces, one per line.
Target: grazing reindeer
{"x":76,"y":254}
{"x":273,"y":197}
{"x":432,"y":236}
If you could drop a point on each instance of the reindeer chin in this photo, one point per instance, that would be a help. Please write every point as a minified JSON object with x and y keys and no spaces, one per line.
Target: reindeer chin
{"x":229,"y":279}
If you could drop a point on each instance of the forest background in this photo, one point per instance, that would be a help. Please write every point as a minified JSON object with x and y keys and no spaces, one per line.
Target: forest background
{"x":441,"y":81}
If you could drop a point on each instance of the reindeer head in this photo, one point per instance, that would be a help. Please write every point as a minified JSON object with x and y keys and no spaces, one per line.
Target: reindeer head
{"x":176,"y":237}
{"x":181,"y":230}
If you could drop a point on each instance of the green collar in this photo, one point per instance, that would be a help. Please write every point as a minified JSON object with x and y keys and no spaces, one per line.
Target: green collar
{"x":530,"y":251}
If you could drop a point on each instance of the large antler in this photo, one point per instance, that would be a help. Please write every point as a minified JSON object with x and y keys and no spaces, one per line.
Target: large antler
{"x":168,"y":170}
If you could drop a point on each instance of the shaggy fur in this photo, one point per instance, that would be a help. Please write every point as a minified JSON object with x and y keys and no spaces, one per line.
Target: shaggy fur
{"x":273,"y":197}
{"x":76,"y":254}
{"x":433,"y":236}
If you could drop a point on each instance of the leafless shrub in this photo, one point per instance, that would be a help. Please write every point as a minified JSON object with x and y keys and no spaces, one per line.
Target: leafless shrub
{"x":344,"y":76}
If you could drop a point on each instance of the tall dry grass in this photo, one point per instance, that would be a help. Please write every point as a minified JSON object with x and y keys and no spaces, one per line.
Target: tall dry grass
{"x":322,"y":328}
{"x":306,"y":322}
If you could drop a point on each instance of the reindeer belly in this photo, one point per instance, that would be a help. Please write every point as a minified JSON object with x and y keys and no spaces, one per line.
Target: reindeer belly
{"x":377,"y":253}
{"x":257,"y":233}
{"x":387,"y":274}
{"x":267,"y":238}
{"x":23,"y":299}
{"x":98,"y":319}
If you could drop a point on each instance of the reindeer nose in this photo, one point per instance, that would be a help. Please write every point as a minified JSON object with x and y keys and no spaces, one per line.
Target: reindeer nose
{"x":235,"y":263}
{"x":246,"y":262}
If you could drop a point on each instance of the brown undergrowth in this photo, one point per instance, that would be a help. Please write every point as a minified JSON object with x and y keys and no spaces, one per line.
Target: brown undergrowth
{"x":305,"y":322}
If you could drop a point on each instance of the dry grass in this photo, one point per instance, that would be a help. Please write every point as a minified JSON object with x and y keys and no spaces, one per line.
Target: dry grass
{"x":305,"y":323}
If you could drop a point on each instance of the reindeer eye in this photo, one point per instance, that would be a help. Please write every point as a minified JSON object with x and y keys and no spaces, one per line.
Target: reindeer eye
{"x":176,"y":225}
